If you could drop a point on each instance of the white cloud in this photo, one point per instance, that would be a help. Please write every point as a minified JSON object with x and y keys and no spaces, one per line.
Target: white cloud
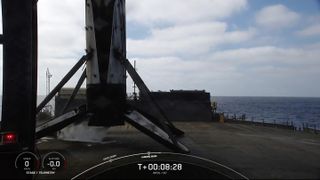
{"x":276,"y":17}
{"x":181,"y":11}
{"x":266,"y":70}
{"x":191,"y":39}
{"x":313,"y":30}
{"x":192,"y":27}
{"x":269,"y":55}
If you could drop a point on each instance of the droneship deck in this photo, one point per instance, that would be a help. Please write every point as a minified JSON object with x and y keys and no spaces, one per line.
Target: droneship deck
{"x":254,"y":151}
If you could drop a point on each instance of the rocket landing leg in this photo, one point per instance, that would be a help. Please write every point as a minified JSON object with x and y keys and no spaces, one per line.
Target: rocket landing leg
{"x":143,"y":124}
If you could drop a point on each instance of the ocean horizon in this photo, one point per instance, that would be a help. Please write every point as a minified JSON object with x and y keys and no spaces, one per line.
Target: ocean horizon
{"x":281,"y":110}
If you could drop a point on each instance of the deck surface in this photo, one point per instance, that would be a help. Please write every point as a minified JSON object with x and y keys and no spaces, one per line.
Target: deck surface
{"x":255,"y":151}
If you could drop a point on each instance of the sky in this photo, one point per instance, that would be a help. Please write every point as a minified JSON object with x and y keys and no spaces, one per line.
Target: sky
{"x":226,"y":47}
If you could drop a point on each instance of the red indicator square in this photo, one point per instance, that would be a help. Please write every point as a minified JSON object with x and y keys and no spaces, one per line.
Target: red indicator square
{"x":9,"y":138}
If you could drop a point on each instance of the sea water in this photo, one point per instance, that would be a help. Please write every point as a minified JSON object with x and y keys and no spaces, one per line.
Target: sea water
{"x":281,"y":110}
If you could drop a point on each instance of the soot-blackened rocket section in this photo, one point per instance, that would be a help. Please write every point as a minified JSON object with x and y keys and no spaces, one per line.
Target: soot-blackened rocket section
{"x":106,"y":84}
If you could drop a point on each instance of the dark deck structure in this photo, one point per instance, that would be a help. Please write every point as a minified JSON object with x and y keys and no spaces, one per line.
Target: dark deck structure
{"x":178,"y":105}
{"x":181,"y":105}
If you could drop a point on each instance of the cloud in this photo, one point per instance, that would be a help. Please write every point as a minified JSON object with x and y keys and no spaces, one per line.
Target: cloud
{"x":190,"y":39}
{"x":276,"y":17}
{"x":313,"y":30}
{"x":265,"y":70}
{"x":151,"y":12}
{"x":270,"y":55}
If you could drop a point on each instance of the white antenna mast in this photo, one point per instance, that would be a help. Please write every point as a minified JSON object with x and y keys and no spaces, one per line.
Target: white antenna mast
{"x":48,"y":76}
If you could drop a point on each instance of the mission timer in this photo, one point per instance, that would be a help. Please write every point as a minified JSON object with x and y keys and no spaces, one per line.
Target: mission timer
{"x":160,"y":167}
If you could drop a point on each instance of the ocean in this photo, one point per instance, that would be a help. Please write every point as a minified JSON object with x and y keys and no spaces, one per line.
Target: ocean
{"x":281,"y":110}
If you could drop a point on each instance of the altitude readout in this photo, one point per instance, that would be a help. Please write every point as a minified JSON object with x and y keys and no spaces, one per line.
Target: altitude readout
{"x":160,"y":167}
{"x":53,"y":161}
{"x":27,"y":161}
